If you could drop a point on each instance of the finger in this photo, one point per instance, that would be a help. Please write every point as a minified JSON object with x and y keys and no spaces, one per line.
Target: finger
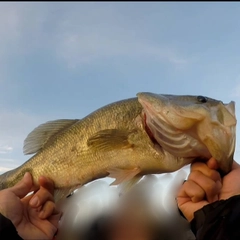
{"x":208,"y":172}
{"x":209,"y":186}
{"x":22,"y":188}
{"x":190,"y":199}
{"x":188,"y":208}
{"x":191,"y":190}
{"x":212,"y":163}
{"x":45,"y":192}
{"x":49,"y":229}
{"x":47,"y":210}
{"x":55,"y":218}
{"x":46,"y":183}
{"x":41,"y":197}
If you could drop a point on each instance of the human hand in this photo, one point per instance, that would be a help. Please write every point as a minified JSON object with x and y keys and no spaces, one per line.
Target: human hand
{"x":32,"y":220}
{"x":204,"y":185}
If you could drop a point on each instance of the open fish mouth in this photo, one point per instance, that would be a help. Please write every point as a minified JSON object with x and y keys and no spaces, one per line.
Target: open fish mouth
{"x":191,"y":126}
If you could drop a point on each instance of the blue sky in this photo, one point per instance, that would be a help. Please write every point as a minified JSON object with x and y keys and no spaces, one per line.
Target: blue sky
{"x":64,"y":60}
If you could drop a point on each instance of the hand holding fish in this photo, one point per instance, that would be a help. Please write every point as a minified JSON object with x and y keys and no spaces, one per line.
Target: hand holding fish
{"x":205,"y":185}
{"x":34,"y":215}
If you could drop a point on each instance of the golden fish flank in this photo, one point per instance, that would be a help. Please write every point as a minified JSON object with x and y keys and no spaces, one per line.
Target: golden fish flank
{"x":150,"y":134}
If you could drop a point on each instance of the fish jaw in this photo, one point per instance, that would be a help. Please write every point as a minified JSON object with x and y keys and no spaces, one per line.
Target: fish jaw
{"x":191,"y":126}
{"x":218,"y":132}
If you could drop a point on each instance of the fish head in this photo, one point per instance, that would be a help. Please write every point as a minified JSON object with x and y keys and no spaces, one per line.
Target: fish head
{"x":192,"y":126}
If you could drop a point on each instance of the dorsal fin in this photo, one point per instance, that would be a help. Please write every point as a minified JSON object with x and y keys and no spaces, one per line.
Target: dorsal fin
{"x":45,"y":132}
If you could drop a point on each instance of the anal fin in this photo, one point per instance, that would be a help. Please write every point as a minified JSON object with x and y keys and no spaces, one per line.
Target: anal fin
{"x":127,"y":185}
{"x":123,"y":175}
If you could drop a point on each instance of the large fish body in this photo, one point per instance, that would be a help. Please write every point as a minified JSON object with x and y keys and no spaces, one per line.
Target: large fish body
{"x":150,"y":134}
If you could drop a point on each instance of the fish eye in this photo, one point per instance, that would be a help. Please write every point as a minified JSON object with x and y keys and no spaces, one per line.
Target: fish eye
{"x":202,"y":99}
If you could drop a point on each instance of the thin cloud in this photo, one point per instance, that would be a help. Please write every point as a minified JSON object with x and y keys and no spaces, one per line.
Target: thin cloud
{"x":7,"y":164}
{"x":5,"y":149}
{"x":75,"y":50}
{"x":77,"y":34}
{"x":83,"y":45}
{"x":4,"y":169}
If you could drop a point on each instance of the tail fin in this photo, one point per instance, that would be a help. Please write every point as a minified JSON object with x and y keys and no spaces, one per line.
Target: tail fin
{"x":10,"y":178}
{"x":3,"y":180}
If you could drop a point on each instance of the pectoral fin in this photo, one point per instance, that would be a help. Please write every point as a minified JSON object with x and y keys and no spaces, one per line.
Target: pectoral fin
{"x":110,"y":139}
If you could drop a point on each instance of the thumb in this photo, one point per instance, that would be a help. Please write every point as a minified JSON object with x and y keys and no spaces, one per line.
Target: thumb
{"x":212,"y":163}
{"x":22,"y":188}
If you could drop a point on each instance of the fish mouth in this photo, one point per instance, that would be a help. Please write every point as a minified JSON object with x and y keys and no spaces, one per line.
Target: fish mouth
{"x":177,"y":139}
{"x":191,"y":126}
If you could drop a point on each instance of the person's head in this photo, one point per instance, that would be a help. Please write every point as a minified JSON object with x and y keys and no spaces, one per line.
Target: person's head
{"x":134,"y":219}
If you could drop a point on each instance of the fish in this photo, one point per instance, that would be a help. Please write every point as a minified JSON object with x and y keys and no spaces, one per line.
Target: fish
{"x":125,"y":140}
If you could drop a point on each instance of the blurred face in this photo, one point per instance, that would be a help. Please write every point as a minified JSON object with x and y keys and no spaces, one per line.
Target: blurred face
{"x":130,"y":223}
{"x":128,"y":229}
